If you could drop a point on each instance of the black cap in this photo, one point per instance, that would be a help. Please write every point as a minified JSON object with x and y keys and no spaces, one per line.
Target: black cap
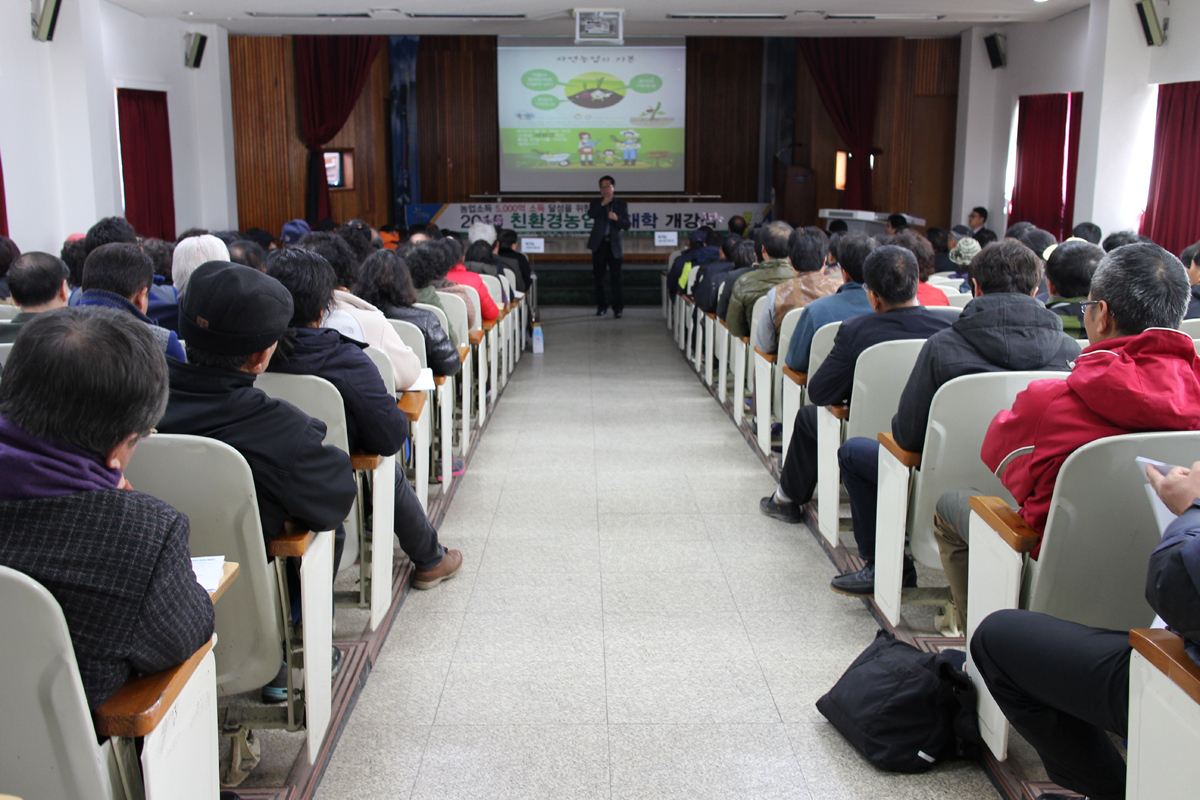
{"x":231,"y":310}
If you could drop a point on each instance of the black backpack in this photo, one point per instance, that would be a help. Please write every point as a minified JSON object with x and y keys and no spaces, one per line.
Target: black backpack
{"x":903,"y":709}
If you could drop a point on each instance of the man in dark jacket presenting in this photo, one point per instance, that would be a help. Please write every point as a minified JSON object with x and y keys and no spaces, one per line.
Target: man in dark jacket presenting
{"x":609,"y":217}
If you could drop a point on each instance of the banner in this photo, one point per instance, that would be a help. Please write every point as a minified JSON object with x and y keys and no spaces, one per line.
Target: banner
{"x":548,"y":219}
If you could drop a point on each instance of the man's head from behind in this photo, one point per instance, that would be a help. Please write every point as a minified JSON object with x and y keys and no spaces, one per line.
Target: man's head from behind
{"x":1088,"y":231}
{"x":1007,"y":266}
{"x":108,"y":231}
{"x":92,"y":378}
{"x":921,"y":249}
{"x":774,"y":238}
{"x":737,"y":225}
{"x":122,"y":269}
{"x":38,"y":282}
{"x":1138,"y":286}
{"x":853,"y":249}
{"x":191,"y":253}
{"x":232,"y":316}
{"x":896,"y":223}
{"x":309,"y":280}
{"x":890,"y":274}
{"x":427,"y":262}
{"x":338,"y":253}
{"x":249,"y":254}
{"x":8,"y":254}
{"x":807,"y":248}
{"x":1070,"y":267}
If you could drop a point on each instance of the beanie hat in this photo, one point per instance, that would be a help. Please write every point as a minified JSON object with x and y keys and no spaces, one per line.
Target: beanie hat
{"x":294,"y":231}
{"x":963,"y":252}
{"x":231,"y":310}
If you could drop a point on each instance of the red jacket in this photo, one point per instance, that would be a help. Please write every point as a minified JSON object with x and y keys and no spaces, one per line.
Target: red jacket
{"x":1133,"y":384}
{"x":461,"y":274}
{"x":930,"y":295}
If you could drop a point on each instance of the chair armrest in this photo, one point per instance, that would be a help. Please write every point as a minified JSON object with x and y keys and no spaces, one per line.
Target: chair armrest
{"x":464,"y":353}
{"x":365,"y":461}
{"x":475,"y":337}
{"x":710,"y":315}
{"x":488,"y":324}
{"x":1006,"y":522}
{"x":768,"y":356}
{"x":906,"y":457}
{"x":1165,"y":651}
{"x":139,"y":705}
{"x":228,"y":572}
{"x":744,"y":339}
{"x":663,"y":273}
{"x":723,"y":325}
{"x":839,"y":412}
{"x":293,"y":542}
{"x":798,"y":378}
{"x":412,"y":403}
{"x":438,"y":380}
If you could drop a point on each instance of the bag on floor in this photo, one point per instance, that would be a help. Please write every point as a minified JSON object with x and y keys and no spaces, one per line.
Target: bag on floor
{"x":903,"y":709}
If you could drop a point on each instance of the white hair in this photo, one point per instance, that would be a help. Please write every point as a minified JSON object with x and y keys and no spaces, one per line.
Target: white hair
{"x":482,"y":230}
{"x":191,"y":253}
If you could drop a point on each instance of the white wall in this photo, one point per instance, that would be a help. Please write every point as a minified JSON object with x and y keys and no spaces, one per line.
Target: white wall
{"x":58,"y":135}
{"x":1178,"y":60}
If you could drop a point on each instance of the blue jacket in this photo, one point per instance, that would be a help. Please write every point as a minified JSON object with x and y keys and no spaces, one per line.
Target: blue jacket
{"x":1173,"y":579}
{"x":100,"y":297}
{"x":162,"y":303}
{"x":850,"y":300}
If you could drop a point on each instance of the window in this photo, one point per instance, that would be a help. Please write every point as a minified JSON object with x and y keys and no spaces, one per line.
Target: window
{"x":339,"y":169}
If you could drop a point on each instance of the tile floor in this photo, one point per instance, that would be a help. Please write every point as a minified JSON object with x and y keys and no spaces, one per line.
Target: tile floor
{"x":626,"y":624}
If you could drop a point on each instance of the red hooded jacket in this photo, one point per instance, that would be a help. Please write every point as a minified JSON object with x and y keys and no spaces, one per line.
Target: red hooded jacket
{"x":1132,"y":384}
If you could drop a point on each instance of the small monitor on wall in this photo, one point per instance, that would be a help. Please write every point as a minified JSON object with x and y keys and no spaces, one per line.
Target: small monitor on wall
{"x":339,"y":169}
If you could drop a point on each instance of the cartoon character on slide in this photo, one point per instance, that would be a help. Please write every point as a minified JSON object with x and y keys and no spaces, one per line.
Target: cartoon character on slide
{"x":609,"y":158}
{"x":586,"y":149}
{"x":630,"y":146}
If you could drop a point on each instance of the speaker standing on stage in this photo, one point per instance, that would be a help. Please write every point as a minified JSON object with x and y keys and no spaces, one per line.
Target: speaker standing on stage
{"x":609,"y":217}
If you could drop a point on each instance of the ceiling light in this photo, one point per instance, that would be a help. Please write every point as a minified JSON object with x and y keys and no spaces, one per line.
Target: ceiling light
{"x":718,"y":15}
{"x":286,"y":15}
{"x":413,"y":15}
{"x":890,"y":17}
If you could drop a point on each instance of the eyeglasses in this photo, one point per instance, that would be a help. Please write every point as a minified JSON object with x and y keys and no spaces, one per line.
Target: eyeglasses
{"x":1083,"y":306}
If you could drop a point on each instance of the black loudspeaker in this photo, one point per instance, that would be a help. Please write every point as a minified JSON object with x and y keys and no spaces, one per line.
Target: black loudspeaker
{"x":194,"y":51}
{"x":45,"y":20}
{"x":1150,"y":25}
{"x":997,"y":47}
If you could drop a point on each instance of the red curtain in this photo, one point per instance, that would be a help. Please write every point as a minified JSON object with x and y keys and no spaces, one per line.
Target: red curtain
{"x":146,"y":162}
{"x":3,"y":208}
{"x":1074,"y":120}
{"x":1172,"y":216}
{"x":1041,"y":145}
{"x":846,"y":71}
{"x":331,"y":72}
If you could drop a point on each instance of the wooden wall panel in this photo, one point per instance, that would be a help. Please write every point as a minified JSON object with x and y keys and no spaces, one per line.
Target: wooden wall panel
{"x":894,"y":127}
{"x":936,"y":67}
{"x":817,"y":139}
{"x":366,"y":132}
{"x":935,"y":121}
{"x":724,"y":96}
{"x":457,"y":117}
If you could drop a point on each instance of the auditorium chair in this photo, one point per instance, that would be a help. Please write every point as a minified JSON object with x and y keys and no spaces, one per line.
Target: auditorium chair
{"x":443,"y":418}
{"x":456,"y":312}
{"x":722,"y":348}
{"x":768,"y":380}
{"x":1091,"y":567}
{"x":880,"y":375}
{"x":493,"y":334}
{"x":959,"y":299}
{"x":1191,"y":327}
{"x":521,"y":301}
{"x":5,"y":349}
{"x":160,"y":730}
{"x":370,"y":545}
{"x":795,"y":383}
{"x":692,"y":337}
{"x":911,"y":483}
{"x":7,"y":312}
{"x":420,"y":423}
{"x":212,"y":484}
{"x":1164,"y":718}
{"x":504,"y":324}
{"x":710,"y":343}
{"x":513,"y":318}
{"x":478,"y":342}
{"x":743,"y":380}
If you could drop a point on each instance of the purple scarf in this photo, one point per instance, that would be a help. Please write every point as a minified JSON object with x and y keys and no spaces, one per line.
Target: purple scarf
{"x":33,"y":468}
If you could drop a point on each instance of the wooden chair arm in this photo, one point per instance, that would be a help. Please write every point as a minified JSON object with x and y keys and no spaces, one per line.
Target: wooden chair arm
{"x":464,"y":352}
{"x":488,"y":324}
{"x":475,"y":337}
{"x":139,"y":705}
{"x":906,"y":457}
{"x":438,"y":380}
{"x":1006,"y":522}
{"x":798,"y":378}
{"x":412,"y":403}
{"x":293,"y":542}
{"x":1165,"y":651}
{"x":768,"y":356}
{"x":664,"y":273}
{"x":723,"y":325}
{"x":229,"y":571}
{"x":365,"y":461}
{"x":745,"y":339}
{"x":710,"y":315}
{"x":839,"y":412}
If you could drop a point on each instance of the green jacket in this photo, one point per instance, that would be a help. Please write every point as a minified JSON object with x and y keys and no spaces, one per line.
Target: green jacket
{"x":1072,"y":314}
{"x":751,"y":286}
{"x":428,"y":295}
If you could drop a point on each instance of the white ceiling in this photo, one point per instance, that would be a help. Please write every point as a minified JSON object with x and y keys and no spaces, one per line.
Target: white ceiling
{"x":646,"y":18}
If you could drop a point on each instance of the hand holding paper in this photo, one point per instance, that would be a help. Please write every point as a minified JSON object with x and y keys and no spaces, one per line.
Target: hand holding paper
{"x":1177,"y":488}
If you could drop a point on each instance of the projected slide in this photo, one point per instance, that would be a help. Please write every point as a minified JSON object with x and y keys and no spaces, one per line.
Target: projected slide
{"x":571,"y":114}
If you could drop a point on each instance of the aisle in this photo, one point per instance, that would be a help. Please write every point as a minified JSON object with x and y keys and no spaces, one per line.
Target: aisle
{"x":626,"y":624}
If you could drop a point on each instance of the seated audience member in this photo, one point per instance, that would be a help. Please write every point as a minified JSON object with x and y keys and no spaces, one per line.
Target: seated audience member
{"x":191,"y":253}
{"x":850,"y":300}
{"x":1134,"y":376}
{"x":961,"y":256}
{"x":373,"y":422}
{"x":776,"y":269}
{"x":960,"y":232}
{"x":1119,"y":239}
{"x":8,"y":254}
{"x":293,"y":232}
{"x":457,"y":273}
{"x":890,"y":278}
{"x":120,"y":276}
{"x":1088,"y":231}
{"x":985,"y":237}
{"x":164,"y":298}
{"x":1038,"y":240}
{"x":189,"y":233}
{"x":387,"y":285}
{"x":698,"y":251}
{"x":160,"y":254}
{"x":745,"y":259}
{"x":262,"y":238}
{"x":162,"y":302}
{"x":358,"y":235}
{"x":453,"y":252}
{"x":977,"y":222}
{"x":1191,"y":262}
{"x":428,"y":264}
{"x":482,"y":231}
{"x":1002,"y":329}
{"x":38,"y":282}
{"x":920,"y":247}
{"x":109,"y":230}
{"x":807,"y":249}
{"x":837,"y":226}
{"x":939,"y":240}
{"x":831,"y":259}
{"x":73,"y":254}
{"x":737,"y":226}
{"x":1068,"y":277}
{"x":1018,"y":229}
{"x":895,"y":224}
{"x":357,"y":318}
{"x":478,"y":259}
{"x":248,"y":253}
{"x":1065,"y":686}
{"x":81,"y":388}
{"x":514,"y":259}
{"x":710,"y":275}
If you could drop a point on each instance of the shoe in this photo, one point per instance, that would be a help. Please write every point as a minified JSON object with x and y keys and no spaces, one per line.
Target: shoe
{"x":276,"y":691}
{"x":862,"y":583}
{"x":336,"y":663}
{"x":617,"y":314}
{"x":457,"y":467}
{"x":784,"y":512}
{"x":600,"y":312}
{"x":429,"y":578}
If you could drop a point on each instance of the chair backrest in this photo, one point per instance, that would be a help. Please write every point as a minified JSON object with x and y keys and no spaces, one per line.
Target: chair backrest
{"x":316,"y":397}
{"x":1191,"y":327}
{"x":959,"y":299}
{"x":818,"y":351}
{"x":456,"y":312}
{"x":474,"y":296}
{"x":755,"y":313}
{"x":959,"y":416}
{"x":211,"y":482}
{"x":944,"y":277}
{"x":1101,"y":531}
{"x":511,"y":275}
{"x":674,"y":255}
{"x":411,"y":335}
{"x":47,"y":740}
{"x":492,"y":284}
{"x":691,"y":280}
{"x":948,"y":288}
{"x":7,"y":312}
{"x":442,"y":319}
{"x":5,"y":349}
{"x":384,"y":365}
{"x":506,"y":287}
{"x":880,"y":375}
{"x":786,"y":328}
{"x":951,"y":312}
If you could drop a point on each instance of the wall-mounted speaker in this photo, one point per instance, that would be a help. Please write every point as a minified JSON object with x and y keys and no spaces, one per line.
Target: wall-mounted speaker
{"x":44,"y":19}
{"x":194,"y":49}
{"x":997,"y":49}
{"x":1150,"y":25}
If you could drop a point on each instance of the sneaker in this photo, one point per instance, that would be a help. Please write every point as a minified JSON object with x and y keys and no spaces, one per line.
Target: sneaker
{"x":457,"y":467}
{"x":784,"y":512}
{"x":617,"y":314}
{"x":276,"y":691}
{"x":600,"y":312}
{"x":429,"y":578}
{"x":862,"y":583}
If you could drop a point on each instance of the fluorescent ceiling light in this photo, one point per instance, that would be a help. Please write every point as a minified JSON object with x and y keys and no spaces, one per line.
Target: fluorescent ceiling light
{"x":719,"y":15}
{"x":286,"y":15}
{"x":892,"y":17}
{"x":415,"y":15}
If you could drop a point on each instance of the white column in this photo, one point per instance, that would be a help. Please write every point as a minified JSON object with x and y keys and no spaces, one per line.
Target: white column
{"x":974,"y":154}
